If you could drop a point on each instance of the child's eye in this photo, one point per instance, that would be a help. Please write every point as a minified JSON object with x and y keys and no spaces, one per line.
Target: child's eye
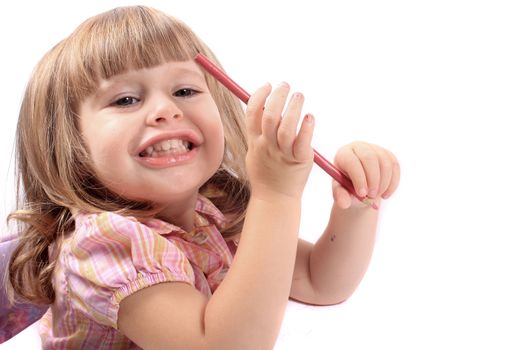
{"x":125,"y":101}
{"x":186,"y":92}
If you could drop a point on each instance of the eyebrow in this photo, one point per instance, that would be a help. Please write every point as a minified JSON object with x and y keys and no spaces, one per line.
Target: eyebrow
{"x":191,"y":72}
{"x":115,"y":80}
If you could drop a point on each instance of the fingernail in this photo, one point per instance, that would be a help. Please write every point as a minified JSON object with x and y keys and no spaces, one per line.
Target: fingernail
{"x":308,"y":118}
{"x":266,"y":85}
{"x":373,"y":193}
{"x":284,"y":84}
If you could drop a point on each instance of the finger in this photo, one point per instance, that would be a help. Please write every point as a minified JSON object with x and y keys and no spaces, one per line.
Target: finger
{"x":395,"y":180}
{"x":352,"y":166}
{"x":287,"y":130}
{"x":370,"y":163}
{"x":302,"y":146}
{"x":272,"y":112}
{"x":341,"y":195}
{"x":254,"y":109}
{"x":385,"y":162}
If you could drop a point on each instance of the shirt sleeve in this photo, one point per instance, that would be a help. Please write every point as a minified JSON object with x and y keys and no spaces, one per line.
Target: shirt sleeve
{"x":110,"y":257}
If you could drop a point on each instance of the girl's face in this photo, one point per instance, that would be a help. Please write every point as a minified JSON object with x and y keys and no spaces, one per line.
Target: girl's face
{"x":154,"y":134}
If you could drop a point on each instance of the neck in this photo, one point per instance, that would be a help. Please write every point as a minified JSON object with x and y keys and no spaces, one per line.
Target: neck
{"x":181,"y":212}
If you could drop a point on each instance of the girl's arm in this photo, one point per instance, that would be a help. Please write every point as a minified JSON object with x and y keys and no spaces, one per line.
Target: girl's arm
{"x":246,"y":310}
{"x":329,"y":271}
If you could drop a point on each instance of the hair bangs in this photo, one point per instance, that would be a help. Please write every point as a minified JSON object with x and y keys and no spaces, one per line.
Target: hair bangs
{"x":125,"y":39}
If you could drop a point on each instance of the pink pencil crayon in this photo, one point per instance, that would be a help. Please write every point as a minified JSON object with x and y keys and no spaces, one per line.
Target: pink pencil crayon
{"x":242,"y":94}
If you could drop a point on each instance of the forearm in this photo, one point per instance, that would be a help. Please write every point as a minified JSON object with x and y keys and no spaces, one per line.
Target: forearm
{"x":342,"y":254}
{"x":249,"y":305}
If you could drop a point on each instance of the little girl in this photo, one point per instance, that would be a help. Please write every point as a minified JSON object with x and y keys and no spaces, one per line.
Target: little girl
{"x":141,"y":177}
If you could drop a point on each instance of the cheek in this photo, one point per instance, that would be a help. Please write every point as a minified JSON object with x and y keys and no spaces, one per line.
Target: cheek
{"x":104,"y":146}
{"x":104,"y":163}
{"x":219,"y":138}
{"x":213,"y":127}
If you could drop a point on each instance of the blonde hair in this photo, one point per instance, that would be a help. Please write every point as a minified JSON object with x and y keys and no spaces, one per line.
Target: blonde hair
{"x":54,"y":171}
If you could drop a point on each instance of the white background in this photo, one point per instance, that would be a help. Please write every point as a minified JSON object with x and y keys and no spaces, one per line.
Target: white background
{"x":443,"y":84}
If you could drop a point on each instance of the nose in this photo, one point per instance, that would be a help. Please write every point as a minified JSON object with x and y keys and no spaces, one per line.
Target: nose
{"x":164,"y":109}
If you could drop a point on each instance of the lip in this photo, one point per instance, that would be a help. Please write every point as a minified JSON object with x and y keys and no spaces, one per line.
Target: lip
{"x":169,"y":160}
{"x":185,"y":135}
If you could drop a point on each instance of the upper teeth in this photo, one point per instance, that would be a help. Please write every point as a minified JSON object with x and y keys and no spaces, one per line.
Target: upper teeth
{"x":167,"y":145}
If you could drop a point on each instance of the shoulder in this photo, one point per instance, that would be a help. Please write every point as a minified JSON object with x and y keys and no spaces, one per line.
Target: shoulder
{"x":103,"y":239}
{"x":105,"y":227}
{"x":108,"y":241}
{"x":104,"y":223}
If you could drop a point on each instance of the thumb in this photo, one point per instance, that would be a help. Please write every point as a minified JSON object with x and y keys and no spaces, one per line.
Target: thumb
{"x":341,"y":195}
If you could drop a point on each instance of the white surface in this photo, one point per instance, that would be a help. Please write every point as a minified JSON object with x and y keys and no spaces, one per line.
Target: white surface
{"x":441,"y":84}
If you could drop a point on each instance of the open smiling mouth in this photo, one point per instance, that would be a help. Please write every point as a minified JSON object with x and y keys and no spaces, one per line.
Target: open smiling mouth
{"x":167,"y":148}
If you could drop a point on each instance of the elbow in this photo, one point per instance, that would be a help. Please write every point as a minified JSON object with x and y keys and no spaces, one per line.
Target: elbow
{"x":241,"y":344}
{"x":329,"y":300}
{"x":320,"y":301}
{"x":326,"y":297}
{"x":333,"y":295}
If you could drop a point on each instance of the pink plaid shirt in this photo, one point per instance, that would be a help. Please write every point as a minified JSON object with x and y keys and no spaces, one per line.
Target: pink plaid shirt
{"x":108,"y":257}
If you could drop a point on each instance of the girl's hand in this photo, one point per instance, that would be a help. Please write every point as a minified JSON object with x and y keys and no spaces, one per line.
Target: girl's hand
{"x":279,"y":158}
{"x":374,"y":172}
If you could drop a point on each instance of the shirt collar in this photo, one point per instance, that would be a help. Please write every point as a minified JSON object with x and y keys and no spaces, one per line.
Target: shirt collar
{"x":205,"y":214}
